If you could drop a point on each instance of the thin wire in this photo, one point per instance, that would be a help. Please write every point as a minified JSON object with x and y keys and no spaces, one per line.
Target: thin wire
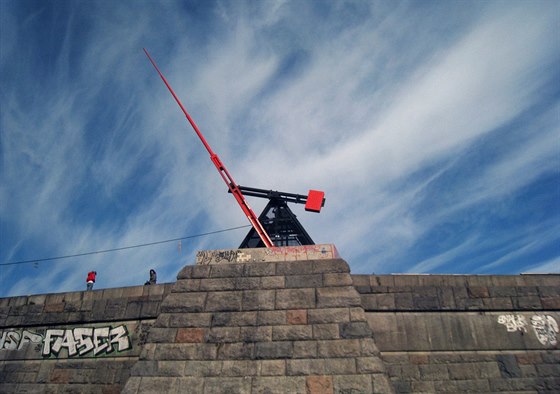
{"x":124,"y":247}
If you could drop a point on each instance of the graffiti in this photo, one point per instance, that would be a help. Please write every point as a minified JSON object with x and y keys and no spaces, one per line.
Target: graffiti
{"x":545,"y":328}
{"x":513,"y":322}
{"x":79,"y":341}
{"x":206,"y":257}
{"x":13,"y":340}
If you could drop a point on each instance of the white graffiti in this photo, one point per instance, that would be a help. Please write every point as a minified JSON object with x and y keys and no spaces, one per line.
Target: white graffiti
{"x":545,"y":328}
{"x":79,"y":341}
{"x":13,"y":340}
{"x":513,"y":322}
{"x":83,"y":340}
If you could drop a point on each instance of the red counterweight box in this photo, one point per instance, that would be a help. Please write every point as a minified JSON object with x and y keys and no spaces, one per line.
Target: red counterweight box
{"x":315,"y":200}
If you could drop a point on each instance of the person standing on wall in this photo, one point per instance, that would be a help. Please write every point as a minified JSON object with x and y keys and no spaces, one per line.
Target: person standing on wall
{"x":90,"y":279}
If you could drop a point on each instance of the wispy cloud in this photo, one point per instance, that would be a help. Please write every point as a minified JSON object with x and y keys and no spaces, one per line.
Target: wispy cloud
{"x":432,"y":129}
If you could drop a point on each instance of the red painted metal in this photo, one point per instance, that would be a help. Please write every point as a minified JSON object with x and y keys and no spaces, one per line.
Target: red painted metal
{"x":315,"y":200}
{"x":233,"y":188}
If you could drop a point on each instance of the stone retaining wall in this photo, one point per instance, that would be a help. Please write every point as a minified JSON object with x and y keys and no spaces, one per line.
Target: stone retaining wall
{"x":460,"y":333}
{"x":236,"y":322}
{"x":75,"y":342}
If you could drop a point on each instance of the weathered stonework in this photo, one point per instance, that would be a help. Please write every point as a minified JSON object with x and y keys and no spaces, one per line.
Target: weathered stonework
{"x":270,"y":327}
{"x":275,"y":324}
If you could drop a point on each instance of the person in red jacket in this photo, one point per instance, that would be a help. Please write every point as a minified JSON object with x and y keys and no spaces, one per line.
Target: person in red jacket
{"x":90,"y":279}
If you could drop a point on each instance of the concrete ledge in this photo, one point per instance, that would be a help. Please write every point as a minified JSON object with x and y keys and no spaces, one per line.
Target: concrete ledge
{"x":257,"y":255}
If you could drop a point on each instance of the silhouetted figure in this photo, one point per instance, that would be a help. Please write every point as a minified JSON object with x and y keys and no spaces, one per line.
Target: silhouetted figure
{"x":153,"y":278}
{"x":90,"y":279}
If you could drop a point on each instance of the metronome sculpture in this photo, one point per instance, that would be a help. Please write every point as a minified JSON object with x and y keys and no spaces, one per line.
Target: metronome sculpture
{"x":281,"y":227}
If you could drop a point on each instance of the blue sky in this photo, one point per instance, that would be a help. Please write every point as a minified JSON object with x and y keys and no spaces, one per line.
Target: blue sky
{"x":432,"y":127}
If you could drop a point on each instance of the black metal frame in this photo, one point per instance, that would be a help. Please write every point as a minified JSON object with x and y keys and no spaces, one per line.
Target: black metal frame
{"x":278,"y":220}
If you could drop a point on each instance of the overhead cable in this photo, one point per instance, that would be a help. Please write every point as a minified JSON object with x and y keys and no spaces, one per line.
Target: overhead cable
{"x":123,"y":248}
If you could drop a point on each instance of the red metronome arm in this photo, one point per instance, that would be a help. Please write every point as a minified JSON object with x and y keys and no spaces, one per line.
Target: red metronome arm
{"x":233,"y":188}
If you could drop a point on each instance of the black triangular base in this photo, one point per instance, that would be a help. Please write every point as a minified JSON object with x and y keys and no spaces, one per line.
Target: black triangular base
{"x":281,"y":225}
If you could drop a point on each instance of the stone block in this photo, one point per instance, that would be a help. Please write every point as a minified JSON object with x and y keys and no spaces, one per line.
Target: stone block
{"x":512,"y":385}
{"x":189,"y":319}
{"x":186,"y":285}
{"x":171,"y":368}
{"x":260,"y":269}
{"x":369,"y":301}
{"x":291,"y":332}
{"x":305,"y":349}
{"x":302,"y":281}
{"x":293,"y":268}
{"x":332,"y":297}
{"x":296,"y":316}
{"x":550,"y":302}
{"x":234,"y":319}
{"x":295,"y":298}
{"x":549,"y":370}
{"x":328,"y":315}
{"x":338,"y":279}
{"x":358,"y":329}
{"x":330,"y":266}
{"x":462,"y":386}
{"x":227,"y":271}
{"x":273,"y":282}
{"x":194,"y":272}
{"x":404,"y":301}
{"x":273,"y":367}
{"x":508,"y":366}
{"x":185,"y":351}
{"x":203,"y":368}
{"x":326,"y":331}
{"x":183,"y":302}
{"x":433,"y":372}
{"x":256,"y":334}
{"x":218,"y":284}
{"x":278,"y":385}
{"x":258,"y":300}
{"x":162,"y":335}
{"x":368,"y":365}
{"x":274,"y":350}
{"x":339,"y":348}
{"x":272,"y":317}
{"x":236,"y":351}
{"x":462,"y":371}
{"x":224,"y":301}
{"x":190,"y":335}
{"x":195,"y":385}
{"x":424,"y":303}
{"x":352,"y":384}
{"x":223,"y":334}
{"x":527,"y":302}
{"x":247,"y":283}
{"x":357,"y":314}
{"x":240,"y":368}
{"x":360,"y":280}
{"x":319,"y":384}
{"x":334,"y":366}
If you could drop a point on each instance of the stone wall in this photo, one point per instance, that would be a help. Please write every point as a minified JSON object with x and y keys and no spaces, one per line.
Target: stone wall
{"x":455,"y":333}
{"x":266,"y":327}
{"x":287,"y":320}
{"x":75,"y":342}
